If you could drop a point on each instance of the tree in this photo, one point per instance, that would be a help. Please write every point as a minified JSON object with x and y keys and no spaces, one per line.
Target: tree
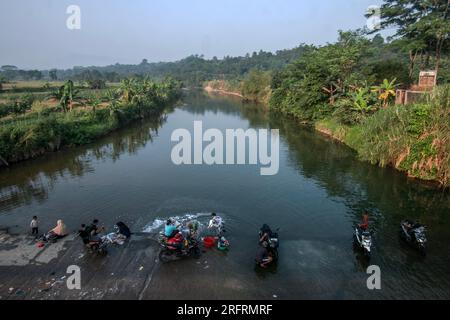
{"x":97,"y":84}
{"x":66,"y":94}
{"x":94,"y":101}
{"x":53,"y":75}
{"x":9,"y":68}
{"x":320,"y":76}
{"x":256,"y":85}
{"x":2,"y":80}
{"x":421,"y":26}
{"x":385,"y":91}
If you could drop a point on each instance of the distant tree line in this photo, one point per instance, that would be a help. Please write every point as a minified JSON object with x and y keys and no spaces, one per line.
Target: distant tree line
{"x":192,"y":71}
{"x":8,"y":73}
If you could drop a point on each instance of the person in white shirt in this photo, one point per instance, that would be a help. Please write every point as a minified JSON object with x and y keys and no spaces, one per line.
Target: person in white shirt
{"x":216,"y":223}
{"x":34,"y":225}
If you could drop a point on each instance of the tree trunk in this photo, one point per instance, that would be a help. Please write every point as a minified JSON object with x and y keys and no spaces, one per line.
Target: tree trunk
{"x":438,"y":54}
{"x":440,"y":42}
{"x":412,"y":63}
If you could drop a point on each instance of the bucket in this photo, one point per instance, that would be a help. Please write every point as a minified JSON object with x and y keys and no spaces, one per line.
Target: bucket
{"x":209,"y":242}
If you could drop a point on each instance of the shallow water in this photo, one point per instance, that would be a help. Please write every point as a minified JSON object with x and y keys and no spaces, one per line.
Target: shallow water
{"x":319,"y":194}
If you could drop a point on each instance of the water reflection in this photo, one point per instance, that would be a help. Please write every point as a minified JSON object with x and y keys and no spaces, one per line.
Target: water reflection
{"x":361,"y":186}
{"x":33,"y":180}
{"x":319,"y":194}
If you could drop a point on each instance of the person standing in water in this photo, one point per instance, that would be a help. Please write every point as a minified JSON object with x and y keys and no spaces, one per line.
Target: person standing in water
{"x":216,"y":223}
{"x":364,"y":225}
{"x":34,"y":225}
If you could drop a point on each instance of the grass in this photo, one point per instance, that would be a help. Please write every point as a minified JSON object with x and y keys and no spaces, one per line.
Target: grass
{"x":412,"y":138}
{"x":30,"y":84}
{"x":43,"y":127}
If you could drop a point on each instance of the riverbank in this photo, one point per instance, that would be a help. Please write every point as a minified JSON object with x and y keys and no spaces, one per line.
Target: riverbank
{"x":210,"y":89}
{"x":413,"y":139}
{"x":42,"y":128}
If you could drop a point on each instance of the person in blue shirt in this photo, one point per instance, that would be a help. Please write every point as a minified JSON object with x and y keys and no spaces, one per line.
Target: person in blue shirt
{"x":170,"y":230}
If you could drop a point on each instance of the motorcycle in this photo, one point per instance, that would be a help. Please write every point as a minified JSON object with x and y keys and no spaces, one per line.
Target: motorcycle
{"x":363,"y":239}
{"x":414,"y":234}
{"x":177,"y":248}
{"x":271,"y":245}
{"x":99,"y":246}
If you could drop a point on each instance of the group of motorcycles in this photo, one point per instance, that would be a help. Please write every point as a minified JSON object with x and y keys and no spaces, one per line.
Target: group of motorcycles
{"x":412,"y":233}
{"x":180,"y":247}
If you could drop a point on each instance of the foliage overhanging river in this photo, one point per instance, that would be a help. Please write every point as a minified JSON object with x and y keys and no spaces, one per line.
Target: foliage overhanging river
{"x":318,"y":195}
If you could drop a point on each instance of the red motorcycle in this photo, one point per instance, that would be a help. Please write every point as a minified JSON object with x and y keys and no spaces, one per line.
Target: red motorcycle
{"x":177,"y":248}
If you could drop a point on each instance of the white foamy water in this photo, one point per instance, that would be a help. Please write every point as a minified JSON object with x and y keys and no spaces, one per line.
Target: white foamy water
{"x":158,"y":223}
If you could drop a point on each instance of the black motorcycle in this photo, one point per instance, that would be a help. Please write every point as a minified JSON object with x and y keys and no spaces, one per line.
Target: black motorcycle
{"x":98,"y":245}
{"x":363,"y":240}
{"x":268,"y":246}
{"x":173,"y":250}
{"x":414,"y":234}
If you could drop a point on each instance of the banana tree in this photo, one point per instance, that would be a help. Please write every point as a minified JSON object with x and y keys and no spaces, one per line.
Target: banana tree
{"x":128,"y":89}
{"x":66,"y":94}
{"x":362,"y":100}
{"x":385,"y":91}
{"x":94,"y":101}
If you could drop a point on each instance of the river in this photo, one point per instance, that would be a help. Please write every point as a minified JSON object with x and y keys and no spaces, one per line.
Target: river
{"x":320,"y":192}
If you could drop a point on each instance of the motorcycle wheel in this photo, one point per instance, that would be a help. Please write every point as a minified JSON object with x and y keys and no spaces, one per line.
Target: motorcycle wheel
{"x":165,"y":256}
{"x":196,"y":253}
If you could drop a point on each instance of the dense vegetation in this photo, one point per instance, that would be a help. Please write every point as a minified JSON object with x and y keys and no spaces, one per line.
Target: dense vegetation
{"x":412,"y":138}
{"x":347,"y":90}
{"x":75,"y":118}
{"x":192,"y":71}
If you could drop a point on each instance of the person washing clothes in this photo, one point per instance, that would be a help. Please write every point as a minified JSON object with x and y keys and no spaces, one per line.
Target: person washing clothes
{"x":58,"y":232}
{"x":216,"y":223}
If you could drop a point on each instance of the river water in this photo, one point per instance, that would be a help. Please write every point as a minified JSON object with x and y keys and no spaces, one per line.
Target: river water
{"x":320,"y":192}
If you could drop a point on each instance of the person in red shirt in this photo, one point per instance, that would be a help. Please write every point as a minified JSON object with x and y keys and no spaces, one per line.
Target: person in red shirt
{"x":365,"y":222}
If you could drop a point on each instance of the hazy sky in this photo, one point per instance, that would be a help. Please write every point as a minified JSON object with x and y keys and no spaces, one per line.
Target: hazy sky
{"x":33,"y":33}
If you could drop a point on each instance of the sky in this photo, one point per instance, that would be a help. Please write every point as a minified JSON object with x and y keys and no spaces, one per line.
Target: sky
{"x":34,"y":34}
